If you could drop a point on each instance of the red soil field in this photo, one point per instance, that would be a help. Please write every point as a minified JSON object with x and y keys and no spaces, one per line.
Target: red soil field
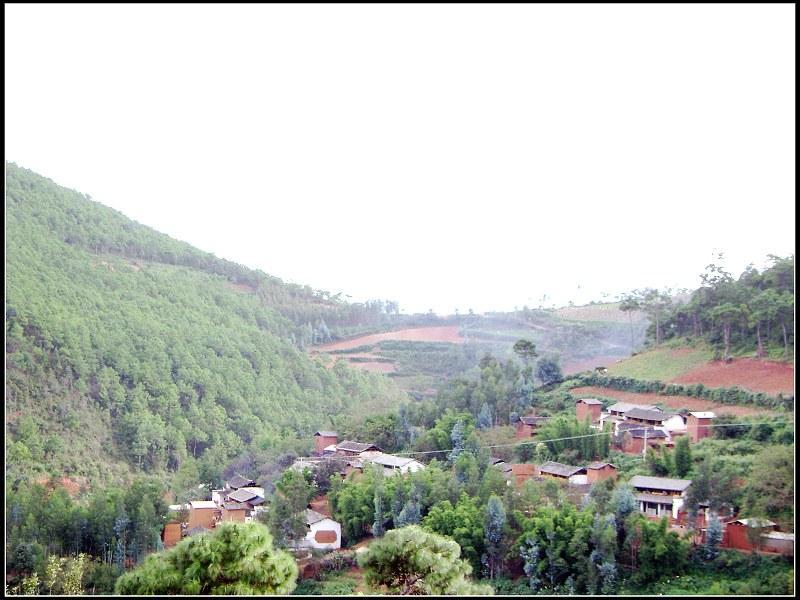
{"x":419,"y":334}
{"x":765,"y":376}
{"x":674,"y":402}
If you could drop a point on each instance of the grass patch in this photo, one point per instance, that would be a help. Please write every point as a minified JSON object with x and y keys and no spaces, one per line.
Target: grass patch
{"x":661,"y":364}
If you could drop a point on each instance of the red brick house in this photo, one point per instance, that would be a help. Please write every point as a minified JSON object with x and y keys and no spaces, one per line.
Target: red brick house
{"x":697,"y":424}
{"x":599,"y":471}
{"x":633,"y":440}
{"x":527,"y":426}
{"x":323,"y":439}
{"x":588,"y":407}
{"x":520,"y":473}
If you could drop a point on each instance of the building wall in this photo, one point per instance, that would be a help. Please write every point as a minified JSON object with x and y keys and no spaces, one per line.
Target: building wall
{"x":591,"y":410}
{"x":321,"y":442}
{"x":698,"y":428}
{"x":201,"y":517}
{"x":595,"y":475}
{"x":524,"y":431}
{"x":237,"y":516}
{"x":322,"y":526}
{"x":171,"y":534}
{"x":785,"y":547}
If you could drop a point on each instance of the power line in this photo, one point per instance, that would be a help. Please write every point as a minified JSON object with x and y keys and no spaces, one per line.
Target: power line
{"x":530,"y":442}
{"x":576,"y":437}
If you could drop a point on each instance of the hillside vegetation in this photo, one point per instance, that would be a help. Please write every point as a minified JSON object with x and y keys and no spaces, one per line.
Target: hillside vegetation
{"x":126,"y":349}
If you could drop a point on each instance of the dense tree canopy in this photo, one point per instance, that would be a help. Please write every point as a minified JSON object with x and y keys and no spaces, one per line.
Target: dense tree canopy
{"x":236,"y":558}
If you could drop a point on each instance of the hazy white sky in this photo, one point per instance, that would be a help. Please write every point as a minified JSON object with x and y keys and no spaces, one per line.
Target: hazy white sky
{"x":443,"y":156}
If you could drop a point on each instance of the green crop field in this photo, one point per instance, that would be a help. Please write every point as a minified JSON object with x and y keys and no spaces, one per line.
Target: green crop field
{"x":662,"y":364}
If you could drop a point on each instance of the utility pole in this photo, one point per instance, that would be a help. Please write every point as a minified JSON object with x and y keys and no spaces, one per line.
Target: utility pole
{"x":644,"y":449}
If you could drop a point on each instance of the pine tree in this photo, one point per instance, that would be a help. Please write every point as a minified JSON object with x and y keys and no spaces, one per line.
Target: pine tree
{"x":529,"y":553}
{"x":493,"y":533}
{"x":683,"y":456}
{"x":457,"y":439}
{"x":484,"y":417}
{"x":713,"y":539}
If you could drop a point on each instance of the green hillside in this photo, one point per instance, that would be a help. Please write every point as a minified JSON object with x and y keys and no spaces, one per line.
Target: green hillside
{"x":127,"y":350}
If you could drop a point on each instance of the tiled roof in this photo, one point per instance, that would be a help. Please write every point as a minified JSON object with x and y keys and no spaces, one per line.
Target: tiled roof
{"x":562,"y":470}
{"x":703,"y":415}
{"x":599,"y":465}
{"x":655,"y":498}
{"x":202,"y":504}
{"x":650,"y":434}
{"x":390,"y":460}
{"x":660,"y":483}
{"x":533,"y":420}
{"x":242,"y":495}
{"x":624,"y":407}
{"x":313,"y":516}
{"x":235,"y":506}
{"x":327,"y":433}
{"x":589,"y":401}
{"x":649,"y":415}
{"x":238,"y":481}
{"x":356,"y":447}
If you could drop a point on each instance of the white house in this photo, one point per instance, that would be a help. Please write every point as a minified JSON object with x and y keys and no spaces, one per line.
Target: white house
{"x":396,"y":464}
{"x":660,"y":496}
{"x":323,"y":532}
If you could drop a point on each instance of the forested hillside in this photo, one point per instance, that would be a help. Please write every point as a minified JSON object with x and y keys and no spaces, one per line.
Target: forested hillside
{"x":751,"y":313}
{"x":128,"y":350}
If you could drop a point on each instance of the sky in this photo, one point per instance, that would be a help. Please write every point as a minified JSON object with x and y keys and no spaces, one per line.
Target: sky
{"x":447,"y":157}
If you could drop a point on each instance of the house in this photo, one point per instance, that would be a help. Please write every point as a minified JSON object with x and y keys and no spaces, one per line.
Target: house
{"x":563,"y":472}
{"x":527,"y":426}
{"x":235,"y":511}
{"x":588,"y":407}
{"x":697,"y":424}
{"x":655,"y":418}
{"x":323,"y":532}
{"x":600,"y":471}
{"x":202,"y":513}
{"x":660,"y":496}
{"x":634,"y":439}
{"x":502,"y":465}
{"x":348,"y":448}
{"x":746,"y":534}
{"x":323,"y":439}
{"x":520,"y":473}
{"x":393,"y":465}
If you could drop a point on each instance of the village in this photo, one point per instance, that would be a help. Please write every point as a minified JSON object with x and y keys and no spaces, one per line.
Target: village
{"x":633,"y":428}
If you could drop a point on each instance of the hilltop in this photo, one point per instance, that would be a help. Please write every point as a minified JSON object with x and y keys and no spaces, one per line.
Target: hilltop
{"x":138,"y":352}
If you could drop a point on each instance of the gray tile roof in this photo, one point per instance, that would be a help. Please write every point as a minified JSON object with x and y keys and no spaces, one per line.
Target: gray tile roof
{"x":659,"y":483}
{"x":534,"y":420}
{"x":313,"y":516}
{"x":648,"y":415}
{"x":554,"y":468}
{"x":242,"y":495}
{"x":327,"y":433}
{"x":356,"y":447}
{"x":238,"y":481}
{"x":589,"y":401}
{"x":650,"y":434}
{"x":655,"y":498}
{"x":599,"y":465}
